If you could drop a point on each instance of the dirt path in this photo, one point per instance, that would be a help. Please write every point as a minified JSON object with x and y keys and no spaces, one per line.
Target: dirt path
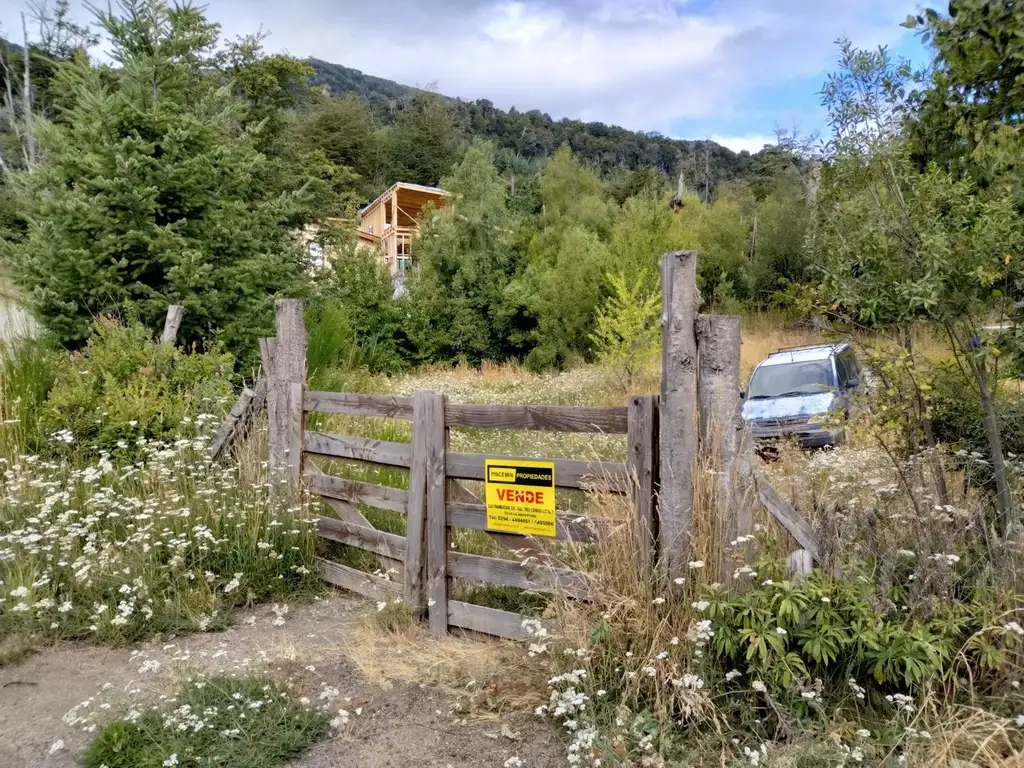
{"x":401,"y":721}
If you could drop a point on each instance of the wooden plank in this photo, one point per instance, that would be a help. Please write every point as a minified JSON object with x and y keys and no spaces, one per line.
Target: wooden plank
{"x":357,"y":581}
{"x":358,"y":492}
{"x":642,"y":462}
{"x":520,"y":546}
{"x":172,"y":323}
{"x":268,"y":347}
{"x":416,"y":515}
{"x":289,"y":367}
{"x":678,"y":416}
{"x":491,"y":621}
{"x":567,"y":526}
{"x":721,"y":427}
{"x":551,"y":418}
{"x":268,"y":355}
{"x":225,"y":436}
{"x":351,"y":514}
{"x":437,"y":523}
{"x":369,"y":538}
{"x":358,"y":449}
{"x":386,"y":406}
{"x":799,"y":563}
{"x":788,"y":517}
{"x":509,"y":573}
{"x":296,"y":426}
{"x":569,"y":473}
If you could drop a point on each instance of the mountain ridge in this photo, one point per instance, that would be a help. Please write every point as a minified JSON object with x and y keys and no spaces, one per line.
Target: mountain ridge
{"x":534,"y":135}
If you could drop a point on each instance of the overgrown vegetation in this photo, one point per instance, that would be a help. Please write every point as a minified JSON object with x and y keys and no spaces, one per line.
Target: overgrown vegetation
{"x":235,"y":722}
{"x":904,"y":233}
{"x":195,"y":195}
{"x":114,"y":525}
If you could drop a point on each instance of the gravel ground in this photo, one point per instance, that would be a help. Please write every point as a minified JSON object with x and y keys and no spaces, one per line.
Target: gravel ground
{"x":401,"y":723}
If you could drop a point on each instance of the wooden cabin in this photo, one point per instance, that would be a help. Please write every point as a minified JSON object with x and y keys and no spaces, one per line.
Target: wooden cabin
{"x":390,"y":223}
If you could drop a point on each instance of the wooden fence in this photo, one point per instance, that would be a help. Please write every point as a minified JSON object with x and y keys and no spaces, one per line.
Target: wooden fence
{"x":437,"y":501}
{"x":697,"y":412}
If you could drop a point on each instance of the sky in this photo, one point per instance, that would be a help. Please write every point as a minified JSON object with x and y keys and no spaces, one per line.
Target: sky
{"x":731,"y":70}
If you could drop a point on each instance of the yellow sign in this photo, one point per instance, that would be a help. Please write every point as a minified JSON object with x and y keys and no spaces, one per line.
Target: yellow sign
{"x":520,"y":496}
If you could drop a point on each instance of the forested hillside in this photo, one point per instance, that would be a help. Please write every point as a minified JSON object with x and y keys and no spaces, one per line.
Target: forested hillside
{"x":534,"y":135}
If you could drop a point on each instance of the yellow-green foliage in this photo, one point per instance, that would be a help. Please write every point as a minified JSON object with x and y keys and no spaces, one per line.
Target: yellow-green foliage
{"x":123,"y":385}
{"x":627,"y":335}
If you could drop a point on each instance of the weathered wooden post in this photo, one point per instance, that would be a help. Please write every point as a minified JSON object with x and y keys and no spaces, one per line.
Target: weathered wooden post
{"x":642,"y":465}
{"x":721,"y":428}
{"x":286,"y":381}
{"x":437,"y":515}
{"x":426,"y":539}
{"x":171,"y":323}
{"x":678,"y":418}
{"x":416,"y":511}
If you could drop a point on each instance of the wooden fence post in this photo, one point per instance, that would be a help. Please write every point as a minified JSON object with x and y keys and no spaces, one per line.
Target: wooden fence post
{"x":437,"y":516}
{"x":171,"y":323}
{"x":642,"y":465}
{"x":288,"y":367}
{"x":678,"y":412}
{"x":718,"y":404}
{"x":416,"y":511}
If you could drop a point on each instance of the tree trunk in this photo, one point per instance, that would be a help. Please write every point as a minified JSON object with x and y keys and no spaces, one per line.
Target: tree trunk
{"x":1004,"y":501}
{"x":30,"y":136}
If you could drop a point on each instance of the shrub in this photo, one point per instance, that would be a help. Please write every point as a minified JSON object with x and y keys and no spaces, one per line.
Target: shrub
{"x":115,"y":551}
{"x":230,"y":722}
{"x":123,"y":386}
{"x":152,"y":195}
{"x":957,"y":418}
{"x":28,"y":369}
{"x":356,"y":296}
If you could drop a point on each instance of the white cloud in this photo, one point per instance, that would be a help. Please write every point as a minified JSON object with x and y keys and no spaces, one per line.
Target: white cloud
{"x":643,"y":64}
{"x":751,"y":143}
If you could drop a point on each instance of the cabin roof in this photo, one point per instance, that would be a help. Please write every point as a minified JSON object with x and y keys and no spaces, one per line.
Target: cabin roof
{"x":417,"y":195}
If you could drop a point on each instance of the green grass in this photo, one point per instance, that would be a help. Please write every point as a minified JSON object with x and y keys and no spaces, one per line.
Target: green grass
{"x":221,"y":721}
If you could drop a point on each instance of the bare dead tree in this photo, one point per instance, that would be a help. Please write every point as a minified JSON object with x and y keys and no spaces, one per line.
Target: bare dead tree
{"x":26,"y":96}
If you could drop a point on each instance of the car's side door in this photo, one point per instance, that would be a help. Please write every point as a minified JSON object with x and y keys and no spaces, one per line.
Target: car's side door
{"x":848,"y":372}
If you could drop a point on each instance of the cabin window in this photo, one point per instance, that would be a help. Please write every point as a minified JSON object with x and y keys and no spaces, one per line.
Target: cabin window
{"x":403,"y":263}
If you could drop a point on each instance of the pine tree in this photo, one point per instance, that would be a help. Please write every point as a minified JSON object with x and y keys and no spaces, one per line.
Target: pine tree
{"x":149,"y":193}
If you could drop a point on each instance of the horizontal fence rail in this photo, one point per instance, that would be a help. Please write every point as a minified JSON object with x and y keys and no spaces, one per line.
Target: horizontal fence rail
{"x":358,"y":449}
{"x":357,"y":492}
{"x":581,"y":528}
{"x":610,"y":476}
{"x":491,"y":621}
{"x":360,"y":582}
{"x":550,"y":418}
{"x":436,"y":501}
{"x":509,"y":573}
{"x":386,"y":406}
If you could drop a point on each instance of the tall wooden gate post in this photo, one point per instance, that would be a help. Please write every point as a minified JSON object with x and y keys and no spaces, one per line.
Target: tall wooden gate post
{"x":678,"y":418}
{"x":721,"y":429}
{"x":286,"y":382}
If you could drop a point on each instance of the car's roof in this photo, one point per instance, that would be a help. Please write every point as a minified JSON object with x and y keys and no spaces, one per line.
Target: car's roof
{"x":803,"y":354}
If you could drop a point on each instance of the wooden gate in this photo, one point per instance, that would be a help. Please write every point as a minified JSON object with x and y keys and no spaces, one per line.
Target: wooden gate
{"x":437,"y":500}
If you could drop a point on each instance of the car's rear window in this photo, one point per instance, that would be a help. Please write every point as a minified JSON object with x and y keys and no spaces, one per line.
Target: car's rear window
{"x":791,"y":379}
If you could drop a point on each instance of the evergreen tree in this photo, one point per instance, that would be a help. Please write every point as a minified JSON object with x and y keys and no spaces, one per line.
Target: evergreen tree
{"x":423,"y":141}
{"x":150,"y":195}
{"x":463,"y":263}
